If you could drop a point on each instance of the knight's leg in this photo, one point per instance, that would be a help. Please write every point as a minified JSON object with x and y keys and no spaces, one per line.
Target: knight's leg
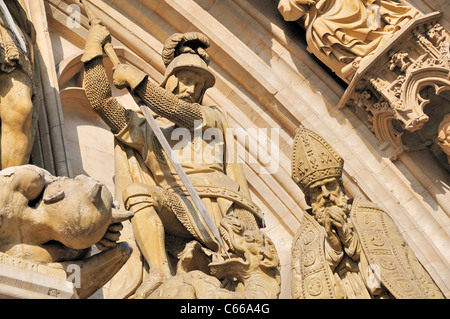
{"x":144,"y":201}
{"x":16,"y":110}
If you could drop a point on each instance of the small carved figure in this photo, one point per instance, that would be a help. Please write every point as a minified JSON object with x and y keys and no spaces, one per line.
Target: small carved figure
{"x":160,"y":202}
{"x":19,"y":84}
{"x":341,"y":32}
{"x":347,"y":249}
{"x":437,"y":35}
{"x":56,"y":220}
{"x":443,"y":139}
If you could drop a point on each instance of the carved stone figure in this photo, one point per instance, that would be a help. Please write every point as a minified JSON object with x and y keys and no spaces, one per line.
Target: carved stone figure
{"x":443,"y":139}
{"x":254,"y":265}
{"x":19,"y":84}
{"x":145,"y":177}
{"x":347,"y":249}
{"x":343,"y":33}
{"x":56,"y":220}
{"x":401,"y":93}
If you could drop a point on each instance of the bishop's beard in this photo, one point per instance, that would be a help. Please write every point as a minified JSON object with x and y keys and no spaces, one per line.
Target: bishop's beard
{"x":321,"y":210}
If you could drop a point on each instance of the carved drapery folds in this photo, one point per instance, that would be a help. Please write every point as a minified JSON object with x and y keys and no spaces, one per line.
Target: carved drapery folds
{"x":343,"y":34}
{"x":402,"y":88}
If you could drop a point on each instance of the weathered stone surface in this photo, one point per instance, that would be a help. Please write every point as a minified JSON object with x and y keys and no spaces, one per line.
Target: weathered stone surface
{"x":265,"y":79}
{"x":347,"y":249}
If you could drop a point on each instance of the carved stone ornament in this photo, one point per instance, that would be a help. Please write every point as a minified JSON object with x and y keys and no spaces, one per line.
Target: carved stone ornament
{"x":348,"y":249}
{"x":396,"y":85}
{"x":48,"y":226}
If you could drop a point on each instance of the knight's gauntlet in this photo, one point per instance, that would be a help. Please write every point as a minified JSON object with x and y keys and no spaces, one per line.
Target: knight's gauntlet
{"x":126,"y":75}
{"x":98,"y":36}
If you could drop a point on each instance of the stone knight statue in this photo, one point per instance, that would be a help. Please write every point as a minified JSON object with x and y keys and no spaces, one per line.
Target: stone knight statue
{"x":145,"y":178}
{"x":19,"y":84}
{"x":347,"y":249}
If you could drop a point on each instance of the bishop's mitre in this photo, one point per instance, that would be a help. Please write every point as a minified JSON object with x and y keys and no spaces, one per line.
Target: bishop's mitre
{"x":313,"y":159}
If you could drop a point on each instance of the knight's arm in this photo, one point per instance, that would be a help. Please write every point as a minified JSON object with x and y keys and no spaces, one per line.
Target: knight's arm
{"x":185,"y":114}
{"x":96,"y":84}
{"x":158,"y":99}
{"x":332,"y":255}
{"x":99,"y":94}
{"x":125,"y":124}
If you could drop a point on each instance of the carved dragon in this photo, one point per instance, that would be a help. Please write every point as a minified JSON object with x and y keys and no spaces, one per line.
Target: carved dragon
{"x":251,"y":272}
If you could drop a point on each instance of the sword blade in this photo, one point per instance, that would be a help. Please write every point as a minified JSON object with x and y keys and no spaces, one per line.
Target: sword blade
{"x":184,"y":178}
{"x":13,"y":26}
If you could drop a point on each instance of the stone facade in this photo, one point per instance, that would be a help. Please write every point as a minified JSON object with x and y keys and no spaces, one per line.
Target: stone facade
{"x":266,"y":83}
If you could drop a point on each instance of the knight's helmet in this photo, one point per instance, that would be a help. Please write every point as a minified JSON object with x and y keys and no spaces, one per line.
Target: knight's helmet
{"x":313,"y":159}
{"x":186,"y":51}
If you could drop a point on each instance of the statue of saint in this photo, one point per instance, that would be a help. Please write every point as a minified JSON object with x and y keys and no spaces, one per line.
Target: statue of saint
{"x":341,"y":33}
{"x":347,"y":248}
{"x":19,"y":84}
{"x":157,"y":197}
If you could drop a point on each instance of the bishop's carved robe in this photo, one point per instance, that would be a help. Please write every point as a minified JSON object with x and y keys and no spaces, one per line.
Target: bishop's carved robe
{"x":381,"y":255}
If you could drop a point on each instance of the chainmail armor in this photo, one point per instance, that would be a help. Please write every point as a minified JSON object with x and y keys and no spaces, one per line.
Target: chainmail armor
{"x":168,"y":105}
{"x":177,"y":206}
{"x":98,"y":92}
